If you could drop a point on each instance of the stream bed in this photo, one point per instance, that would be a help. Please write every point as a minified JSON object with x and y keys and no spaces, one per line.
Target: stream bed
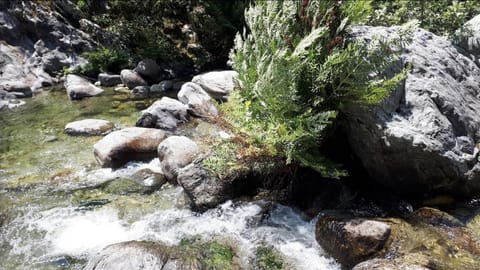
{"x":58,"y":208}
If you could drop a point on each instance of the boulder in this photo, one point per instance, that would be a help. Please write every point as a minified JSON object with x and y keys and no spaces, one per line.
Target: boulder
{"x":131,"y":79}
{"x":166,"y":113}
{"x":16,"y":88}
{"x":174,"y":153}
{"x":204,"y":189}
{"x":122,"y":146}
{"x":109,"y":79}
{"x":140,"y":92}
{"x":89,"y":127}
{"x":197,"y":100}
{"x":150,"y":71}
{"x":162,"y":87}
{"x":424,"y":136}
{"x":469,"y":38}
{"x":218,"y":84}
{"x":189,"y":255}
{"x":78,"y":87}
{"x":132,"y":255}
{"x":351,"y":241}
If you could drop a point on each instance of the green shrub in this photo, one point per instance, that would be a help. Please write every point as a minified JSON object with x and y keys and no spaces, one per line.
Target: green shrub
{"x":105,"y":60}
{"x":299,"y":70}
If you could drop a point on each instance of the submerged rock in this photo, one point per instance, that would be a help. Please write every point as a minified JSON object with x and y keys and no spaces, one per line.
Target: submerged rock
{"x":141,"y":92}
{"x":166,"y":113}
{"x":351,"y":241}
{"x":78,"y":87}
{"x":174,"y":153}
{"x":89,"y":127}
{"x":424,"y":136}
{"x":122,"y":146}
{"x":218,"y":84}
{"x":109,"y":79}
{"x":197,"y":100}
{"x":131,"y":79}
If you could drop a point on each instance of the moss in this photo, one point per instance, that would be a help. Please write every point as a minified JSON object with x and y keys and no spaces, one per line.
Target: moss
{"x":268,"y":259}
{"x":218,"y":256}
{"x":124,"y":186}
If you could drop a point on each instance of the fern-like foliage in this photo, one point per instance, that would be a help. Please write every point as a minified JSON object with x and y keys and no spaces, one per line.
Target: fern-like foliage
{"x":299,"y":69}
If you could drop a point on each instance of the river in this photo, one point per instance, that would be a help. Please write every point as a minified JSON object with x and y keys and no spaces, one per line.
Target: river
{"x":57,"y":207}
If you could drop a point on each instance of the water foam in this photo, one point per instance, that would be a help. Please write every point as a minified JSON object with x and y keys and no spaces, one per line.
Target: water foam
{"x":78,"y":234}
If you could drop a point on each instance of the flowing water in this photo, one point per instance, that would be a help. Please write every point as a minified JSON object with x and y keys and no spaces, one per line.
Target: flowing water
{"x":55,"y":212}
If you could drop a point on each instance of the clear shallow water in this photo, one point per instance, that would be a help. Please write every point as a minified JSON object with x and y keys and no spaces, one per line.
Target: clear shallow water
{"x":45,"y":176}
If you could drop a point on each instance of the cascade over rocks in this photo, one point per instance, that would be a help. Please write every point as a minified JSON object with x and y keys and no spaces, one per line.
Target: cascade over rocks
{"x":424,"y":136}
{"x":78,"y":87}
{"x":166,"y":113}
{"x":218,"y":84}
{"x":122,"y":146}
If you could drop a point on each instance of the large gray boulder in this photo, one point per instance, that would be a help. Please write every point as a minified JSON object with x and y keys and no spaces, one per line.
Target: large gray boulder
{"x":197,"y":100}
{"x":218,"y":84}
{"x":469,"y":38}
{"x":174,"y":153}
{"x":166,"y":113}
{"x":131,"y":79}
{"x":424,"y":136}
{"x":122,"y":146}
{"x":17,"y":88}
{"x":78,"y":87}
{"x":89,"y":127}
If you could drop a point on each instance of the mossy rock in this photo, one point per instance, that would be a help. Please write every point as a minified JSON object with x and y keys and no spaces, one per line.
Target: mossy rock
{"x":189,"y":255}
{"x":267,"y":258}
{"x":124,"y":186}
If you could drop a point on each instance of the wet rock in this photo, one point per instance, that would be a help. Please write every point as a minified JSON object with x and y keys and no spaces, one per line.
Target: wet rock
{"x":218,"y":84}
{"x":150,"y":71}
{"x":385,"y":264}
{"x":141,"y":92}
{"x":202,"y":188}
{"x":197,"y":100}
{"x":435,"y":217}
{"x":78,"y":87}
{"x":174,"y":153}
{"x":131,"y":79}
{"x":89,"y":127}
{"x":167,"y":113}
{"x":150,"y":178}
{"x":351,"y":241}
{"x":144,"y":255}
{"x":423,"y":137}
{"x":109,"y":79}
{"x":122,"y":146}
